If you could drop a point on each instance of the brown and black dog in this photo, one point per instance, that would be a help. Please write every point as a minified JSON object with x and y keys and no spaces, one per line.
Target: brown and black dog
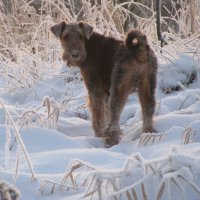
{"x":111,"y":70}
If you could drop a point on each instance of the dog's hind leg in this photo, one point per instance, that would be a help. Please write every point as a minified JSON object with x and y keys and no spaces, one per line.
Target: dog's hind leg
{"x":147,"y":101}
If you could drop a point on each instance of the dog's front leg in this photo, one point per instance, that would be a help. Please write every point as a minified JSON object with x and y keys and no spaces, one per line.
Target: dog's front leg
{"x":120,"y":89}
{"x":98,"y":108}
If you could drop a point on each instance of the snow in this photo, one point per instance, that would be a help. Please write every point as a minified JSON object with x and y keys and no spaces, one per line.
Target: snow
{"x":166,"y":161}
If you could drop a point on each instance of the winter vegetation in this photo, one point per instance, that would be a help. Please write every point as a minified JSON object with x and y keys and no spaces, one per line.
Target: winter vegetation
{"x":47,"y":145}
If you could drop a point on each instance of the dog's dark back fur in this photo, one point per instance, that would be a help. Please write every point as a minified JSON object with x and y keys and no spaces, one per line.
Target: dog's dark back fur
{"x":101,"y":53}
{"x":111,"y":70}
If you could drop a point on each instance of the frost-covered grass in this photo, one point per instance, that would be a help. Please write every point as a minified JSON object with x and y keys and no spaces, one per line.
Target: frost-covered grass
{"x":47,"y":146}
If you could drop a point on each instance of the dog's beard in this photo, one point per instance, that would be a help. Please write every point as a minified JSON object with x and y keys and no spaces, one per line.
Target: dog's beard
{"x":72,"y":63}
{"x":75,"y":63}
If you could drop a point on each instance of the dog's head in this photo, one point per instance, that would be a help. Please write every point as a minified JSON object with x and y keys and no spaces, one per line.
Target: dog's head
{"x":72,"y":37}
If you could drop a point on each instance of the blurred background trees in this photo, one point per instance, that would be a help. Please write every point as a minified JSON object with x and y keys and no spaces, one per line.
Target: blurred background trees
{"x":172,"y":11}
{"x":28,"y":51}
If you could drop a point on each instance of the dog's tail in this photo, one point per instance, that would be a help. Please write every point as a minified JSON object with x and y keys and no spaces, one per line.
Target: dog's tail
{"x":136,"y":42}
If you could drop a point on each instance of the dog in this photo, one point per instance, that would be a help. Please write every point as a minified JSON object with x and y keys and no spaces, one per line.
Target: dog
{"x":111,"y":70}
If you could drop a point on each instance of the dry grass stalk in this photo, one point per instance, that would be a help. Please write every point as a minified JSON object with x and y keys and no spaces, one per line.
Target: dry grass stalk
{"x":161,"y":191}
{"x":191,"y":184}
{"x":179,"y":186}
{"x":99,"y":187}
{"x":128,"y":195}
{"x":134,"y":193}
{"x":20,"y":141}
{"x":169,"y":176}
{"x":151,"y":167}
{"x":69,"y":176}
{"x":144,"y":194}
{"x":50,"y":183}
{"x":181,"y":106}
{"x":26,"y":117}
{"x":75,"y":166}
{"x":53,"y":111}
{"x":102,"y":184}
{"x":150,"y":138}
{"x":40,"y":117}
{"x":177,"y":177}
{"x":189,"y":135}
{"x":8,"y":141}
{"x":17,"y":164}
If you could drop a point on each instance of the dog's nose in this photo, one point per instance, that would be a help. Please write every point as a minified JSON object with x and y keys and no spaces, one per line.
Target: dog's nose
{"x":75,"y":54}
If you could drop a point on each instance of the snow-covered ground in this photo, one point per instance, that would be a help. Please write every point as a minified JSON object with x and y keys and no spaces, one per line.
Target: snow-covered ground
{"x":56,"y":155}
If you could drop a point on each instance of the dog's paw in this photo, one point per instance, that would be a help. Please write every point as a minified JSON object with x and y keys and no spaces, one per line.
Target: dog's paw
{"x":149,"y":129}
{"x":112,"y":136}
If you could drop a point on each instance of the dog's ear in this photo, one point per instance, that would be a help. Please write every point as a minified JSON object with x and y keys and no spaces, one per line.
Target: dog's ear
{"x":58,"y":28}
{"x":87,"y":29}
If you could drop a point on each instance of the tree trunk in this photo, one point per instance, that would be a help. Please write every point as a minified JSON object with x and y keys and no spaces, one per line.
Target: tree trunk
{"x":158,"y":22}
{"x":192,"y":4}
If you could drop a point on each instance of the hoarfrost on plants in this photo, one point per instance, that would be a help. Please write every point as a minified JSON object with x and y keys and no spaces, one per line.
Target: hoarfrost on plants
{"x":47,"y":145}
